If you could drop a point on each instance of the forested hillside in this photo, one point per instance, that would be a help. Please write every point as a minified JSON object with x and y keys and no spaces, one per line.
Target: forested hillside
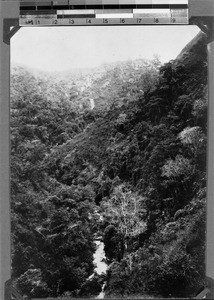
{"x":131,"y":170}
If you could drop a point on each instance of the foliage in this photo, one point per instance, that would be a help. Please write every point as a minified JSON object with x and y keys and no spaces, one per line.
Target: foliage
{"x":132,"y":170}
{"x":124,"y":211}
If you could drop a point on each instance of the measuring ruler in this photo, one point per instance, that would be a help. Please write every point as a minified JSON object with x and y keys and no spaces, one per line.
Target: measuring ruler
{"x":103,"y":12}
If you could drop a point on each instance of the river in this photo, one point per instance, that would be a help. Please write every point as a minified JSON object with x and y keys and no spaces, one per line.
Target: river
{"x":100,"y":264}
{"x":99,"y":258}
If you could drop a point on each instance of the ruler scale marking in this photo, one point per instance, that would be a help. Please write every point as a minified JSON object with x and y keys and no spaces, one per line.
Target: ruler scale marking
{"x":86,"y":2}
{"x":103,"y":12}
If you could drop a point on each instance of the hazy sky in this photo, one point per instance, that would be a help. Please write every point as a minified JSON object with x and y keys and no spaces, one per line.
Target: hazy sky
{"x":62,"y":48}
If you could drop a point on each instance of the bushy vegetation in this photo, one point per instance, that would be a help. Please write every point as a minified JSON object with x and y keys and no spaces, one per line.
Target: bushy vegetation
{"x":133,"y":169}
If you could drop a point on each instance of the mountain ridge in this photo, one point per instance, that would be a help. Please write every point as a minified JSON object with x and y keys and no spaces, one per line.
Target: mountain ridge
{"x":132,"y":170}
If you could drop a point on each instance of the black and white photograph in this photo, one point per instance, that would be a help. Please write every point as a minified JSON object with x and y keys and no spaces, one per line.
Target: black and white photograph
{"x":108,"y":157}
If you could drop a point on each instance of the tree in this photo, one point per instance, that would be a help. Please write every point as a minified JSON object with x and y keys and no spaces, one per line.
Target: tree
{"x":125,"y":211}
{"x":177,"y":167}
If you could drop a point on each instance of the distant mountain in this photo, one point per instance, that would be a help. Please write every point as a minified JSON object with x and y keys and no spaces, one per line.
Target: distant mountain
{"x":103,"y":84}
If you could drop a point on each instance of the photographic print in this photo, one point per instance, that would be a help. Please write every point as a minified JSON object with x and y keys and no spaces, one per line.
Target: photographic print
{"x":108,"y":137}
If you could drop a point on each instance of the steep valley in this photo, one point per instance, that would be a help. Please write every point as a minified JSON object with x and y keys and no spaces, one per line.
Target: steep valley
{"x":128,"y":167}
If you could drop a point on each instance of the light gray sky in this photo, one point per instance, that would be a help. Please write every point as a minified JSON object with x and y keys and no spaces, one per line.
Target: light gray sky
{"x":64,"y":48}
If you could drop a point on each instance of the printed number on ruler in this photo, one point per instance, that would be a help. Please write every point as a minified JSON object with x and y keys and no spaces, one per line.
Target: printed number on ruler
{"x":156,"y":20}
{"x":71,"y":21}
{"x":88,"y":21}
{"x":122,"y":21}
{"x":105,"y":21}
{"x":29,"y":22}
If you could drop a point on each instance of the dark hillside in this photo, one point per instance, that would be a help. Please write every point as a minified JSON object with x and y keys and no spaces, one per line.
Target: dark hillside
{"x":193,"y":51}
{"x":194,"y":58}
{"x":134,"y":173}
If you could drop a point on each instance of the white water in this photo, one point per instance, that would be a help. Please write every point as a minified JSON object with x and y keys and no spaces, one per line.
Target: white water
{"x":99,"y":258}
{"x":92,"y":103}
{"x":102,"y":293}
{"x":101,"y":266}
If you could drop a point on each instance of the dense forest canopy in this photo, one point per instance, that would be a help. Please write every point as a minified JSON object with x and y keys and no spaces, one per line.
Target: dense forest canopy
{"x":131,"y":170}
